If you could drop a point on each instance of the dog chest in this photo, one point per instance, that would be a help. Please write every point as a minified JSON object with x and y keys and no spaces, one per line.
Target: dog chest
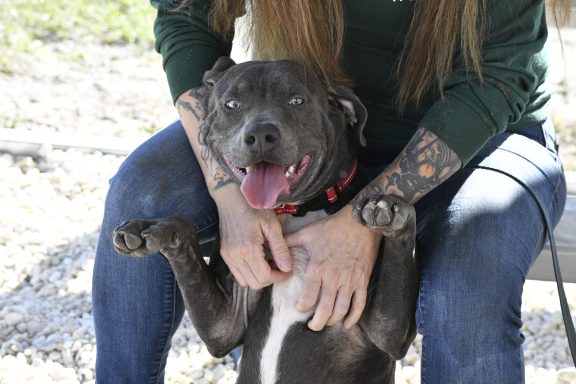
{"x":284,"y":315}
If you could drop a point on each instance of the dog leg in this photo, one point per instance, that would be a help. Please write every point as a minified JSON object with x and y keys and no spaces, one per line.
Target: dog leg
{"x":217,"y":313}
{"x":389,"y":316}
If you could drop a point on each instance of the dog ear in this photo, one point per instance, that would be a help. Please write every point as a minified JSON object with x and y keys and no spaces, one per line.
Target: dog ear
{"x":355,"y":112}
{"x":218,"y":70}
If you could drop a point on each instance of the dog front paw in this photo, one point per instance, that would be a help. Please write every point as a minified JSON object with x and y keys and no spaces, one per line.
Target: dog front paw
{"x":388,"y":214}
{"x":145,"y":237}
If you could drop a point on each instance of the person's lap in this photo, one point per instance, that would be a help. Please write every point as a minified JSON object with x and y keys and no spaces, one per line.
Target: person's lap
{"x":137,"y":304}
{"x":478,"y":234}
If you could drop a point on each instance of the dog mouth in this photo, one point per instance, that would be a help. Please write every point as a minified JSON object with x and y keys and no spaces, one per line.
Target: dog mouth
{"x":263,"y":183}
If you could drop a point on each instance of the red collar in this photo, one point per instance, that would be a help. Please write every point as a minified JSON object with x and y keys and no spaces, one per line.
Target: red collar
{"x":331,"y":194}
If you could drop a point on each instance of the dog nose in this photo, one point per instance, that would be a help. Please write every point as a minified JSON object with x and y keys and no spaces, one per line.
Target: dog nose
{"x":261,"y":137}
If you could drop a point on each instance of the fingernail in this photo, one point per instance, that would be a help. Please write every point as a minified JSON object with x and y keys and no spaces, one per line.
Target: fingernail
{"x":285,"y":266}
{"x":311,"y":326}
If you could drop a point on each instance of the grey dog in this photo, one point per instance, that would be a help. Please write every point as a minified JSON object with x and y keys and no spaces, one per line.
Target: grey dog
{"x":287,"y":138}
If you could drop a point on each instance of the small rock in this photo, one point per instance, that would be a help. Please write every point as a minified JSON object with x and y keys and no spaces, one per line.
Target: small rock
{"x":13,"y":318}
{"x":566,"y":376}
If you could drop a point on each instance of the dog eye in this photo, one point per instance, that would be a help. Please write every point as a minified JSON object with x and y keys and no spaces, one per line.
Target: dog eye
{"x":233,"y":104}
{"x":296,"y":101}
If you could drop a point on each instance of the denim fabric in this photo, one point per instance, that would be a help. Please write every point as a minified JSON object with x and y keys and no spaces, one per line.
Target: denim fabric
{"x":478,"y":234}
{"x":137,"y":304}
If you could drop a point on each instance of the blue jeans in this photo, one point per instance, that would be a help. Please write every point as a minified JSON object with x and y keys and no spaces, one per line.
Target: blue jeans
{"x":478,"y":234}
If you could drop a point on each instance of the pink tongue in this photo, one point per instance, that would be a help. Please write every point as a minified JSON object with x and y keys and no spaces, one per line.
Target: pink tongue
{"x":263,"y":184}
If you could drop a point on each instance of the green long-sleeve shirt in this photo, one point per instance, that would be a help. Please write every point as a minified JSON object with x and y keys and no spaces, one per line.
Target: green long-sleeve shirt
{"x":513,"y":95}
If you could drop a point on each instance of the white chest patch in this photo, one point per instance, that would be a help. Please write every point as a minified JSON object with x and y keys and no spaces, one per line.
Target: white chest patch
{"x":284,"y":298}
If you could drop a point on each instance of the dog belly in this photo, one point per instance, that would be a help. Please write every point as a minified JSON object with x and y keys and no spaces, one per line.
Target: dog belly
{"x":284,"y":315}
{"x":330,"y":356}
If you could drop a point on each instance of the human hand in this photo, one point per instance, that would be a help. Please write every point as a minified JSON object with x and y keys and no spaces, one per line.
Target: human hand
{"x":244,"y":233}
{"x":342,"y":255}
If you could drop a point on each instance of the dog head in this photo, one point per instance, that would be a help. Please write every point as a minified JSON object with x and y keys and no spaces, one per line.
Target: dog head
{"x":278,"y":130}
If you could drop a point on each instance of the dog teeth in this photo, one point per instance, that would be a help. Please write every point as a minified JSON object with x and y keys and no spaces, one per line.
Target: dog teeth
{"x":291,"y":170}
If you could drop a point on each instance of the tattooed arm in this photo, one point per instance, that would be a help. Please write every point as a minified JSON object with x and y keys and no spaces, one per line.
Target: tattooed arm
{"x":192,"y":117}
{"x":423,"y":164}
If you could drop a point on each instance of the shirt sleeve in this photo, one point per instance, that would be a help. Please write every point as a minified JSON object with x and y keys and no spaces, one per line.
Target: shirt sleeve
{"x":513,"y":68}
{"x":186,"y":43}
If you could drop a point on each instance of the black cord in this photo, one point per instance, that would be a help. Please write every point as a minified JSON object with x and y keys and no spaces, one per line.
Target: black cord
{"x":566,"y":316}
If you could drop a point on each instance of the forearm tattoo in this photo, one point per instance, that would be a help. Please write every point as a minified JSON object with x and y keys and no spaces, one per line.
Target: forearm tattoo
{"x":220,"y":177}
{"x":195,"y":111}
{"x":197,"y":94}
{"x":425,"y":162}
{"x":198,"y":112}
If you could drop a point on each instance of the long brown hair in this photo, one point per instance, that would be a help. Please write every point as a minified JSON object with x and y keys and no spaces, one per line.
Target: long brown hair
{"x":313,"y":32}
{"x":308,"y":31}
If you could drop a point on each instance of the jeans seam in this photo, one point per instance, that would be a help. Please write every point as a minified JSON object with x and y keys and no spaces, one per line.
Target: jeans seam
{"x":155,"y":378}
{"x":418,"y":328}
{"x":423,"y":363}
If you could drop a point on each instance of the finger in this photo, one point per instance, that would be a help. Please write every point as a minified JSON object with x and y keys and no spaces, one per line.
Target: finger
{"x":294,"y":239}
{"x":325,"y":308}
{"x":238,"y":276}
{"x":256,"y":284}
{"x":257,"y":264}
{"x":279,"y":249}
{"x":277,"y":276}
{"x":342,"y":305}
{"x":264,"y":276}
{"x":235,"y":267}
{"x":252,"y":279}
{"x":357,"y":307}
{"x":310,"y":290}
{"x":240,"y":269}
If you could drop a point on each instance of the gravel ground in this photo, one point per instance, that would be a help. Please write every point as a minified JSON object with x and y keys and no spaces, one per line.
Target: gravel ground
{"x":51,"y":207}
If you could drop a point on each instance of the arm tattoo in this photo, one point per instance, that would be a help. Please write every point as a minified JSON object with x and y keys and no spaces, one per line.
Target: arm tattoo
{"x":196,"y":110}
{"x":222,"y":179}
{"x":185,"y":105}
{"x":425,"y":162}
{"x":204,"y":150}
